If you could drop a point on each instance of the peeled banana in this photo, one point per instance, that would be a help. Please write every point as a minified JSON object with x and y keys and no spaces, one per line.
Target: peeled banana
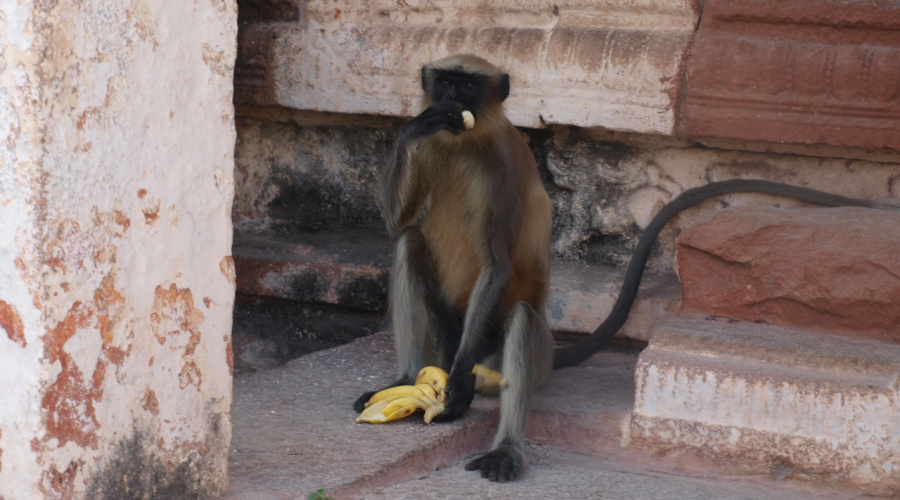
{"x":402,"y":401}
{"x":428,"y":395}
{"x":468,"y":119}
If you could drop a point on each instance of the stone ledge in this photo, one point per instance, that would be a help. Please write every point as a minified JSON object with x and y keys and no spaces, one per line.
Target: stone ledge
{"x":350,"y":268}
{"x":347,"y":268}
{"x":797,"y":72}
{"x":814,"y":404}
{"x":572,"y":63}
{"x":581,"y":296}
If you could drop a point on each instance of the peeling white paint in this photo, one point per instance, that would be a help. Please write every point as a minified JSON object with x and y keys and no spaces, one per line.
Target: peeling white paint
{"x":99,"y":102}
{"x":744,"y":390}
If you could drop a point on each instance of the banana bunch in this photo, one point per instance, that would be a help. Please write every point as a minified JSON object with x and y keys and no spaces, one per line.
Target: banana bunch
{"x":427,"y":394}
{"x":402,"y":401}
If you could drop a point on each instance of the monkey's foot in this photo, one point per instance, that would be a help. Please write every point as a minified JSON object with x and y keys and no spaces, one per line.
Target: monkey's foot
{"x":502,"y":464}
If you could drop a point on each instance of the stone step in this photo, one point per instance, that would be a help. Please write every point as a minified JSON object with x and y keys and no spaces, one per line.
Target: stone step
{"x":343,"y":267}
{"x":815,"y":405}
{"x":294,"y":433}
{"x":830,"y":269}
{"x":350,"y":268}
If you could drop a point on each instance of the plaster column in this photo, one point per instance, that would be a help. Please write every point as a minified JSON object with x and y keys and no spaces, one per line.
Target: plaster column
{"x":116,"y":280}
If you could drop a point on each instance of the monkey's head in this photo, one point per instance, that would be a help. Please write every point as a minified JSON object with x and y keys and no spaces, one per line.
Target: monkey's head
{"x":467,"y":81}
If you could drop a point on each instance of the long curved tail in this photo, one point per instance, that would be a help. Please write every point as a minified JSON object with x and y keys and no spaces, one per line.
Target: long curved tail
{"x":581,"y":350}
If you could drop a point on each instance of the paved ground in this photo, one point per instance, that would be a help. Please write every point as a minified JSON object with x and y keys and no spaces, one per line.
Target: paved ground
{"x":294,"y":432}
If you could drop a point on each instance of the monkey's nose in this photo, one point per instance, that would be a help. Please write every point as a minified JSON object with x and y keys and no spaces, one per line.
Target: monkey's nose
{"x":449,"y":97}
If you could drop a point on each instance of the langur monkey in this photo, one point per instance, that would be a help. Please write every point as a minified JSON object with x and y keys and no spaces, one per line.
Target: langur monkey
{"x":470,"y":281}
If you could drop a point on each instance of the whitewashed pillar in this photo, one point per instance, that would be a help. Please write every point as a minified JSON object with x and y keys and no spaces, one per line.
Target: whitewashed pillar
{"x":116,"y":281}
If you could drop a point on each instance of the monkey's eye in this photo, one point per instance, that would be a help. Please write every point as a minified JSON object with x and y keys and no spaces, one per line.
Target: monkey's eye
{"x":470,"y":85}
{"x":444,"y":83}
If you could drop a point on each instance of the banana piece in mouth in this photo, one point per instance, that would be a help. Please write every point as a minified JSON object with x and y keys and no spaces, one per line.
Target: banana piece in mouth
{"x":468,"y":119}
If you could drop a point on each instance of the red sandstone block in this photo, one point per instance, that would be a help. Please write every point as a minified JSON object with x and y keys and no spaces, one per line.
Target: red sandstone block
{"x":796,"y":71}
{"x":828,"y":269}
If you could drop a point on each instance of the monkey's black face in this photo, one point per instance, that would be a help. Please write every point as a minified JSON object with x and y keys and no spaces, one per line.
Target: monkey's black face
{"x":466,"y":90}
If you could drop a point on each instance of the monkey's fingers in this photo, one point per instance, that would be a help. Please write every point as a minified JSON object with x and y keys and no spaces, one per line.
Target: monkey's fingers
{"x":499,"y":465}
{"x":451,"y":122}
{"x":456,"y":407}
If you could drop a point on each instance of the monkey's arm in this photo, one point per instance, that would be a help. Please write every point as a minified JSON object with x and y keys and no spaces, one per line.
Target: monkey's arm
{"x":402,"y":187}
{"x":501,"y":229}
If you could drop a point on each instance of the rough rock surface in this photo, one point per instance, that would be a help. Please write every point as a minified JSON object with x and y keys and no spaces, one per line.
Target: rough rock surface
{"x":829,"y":269}
{"x":304,"y":173}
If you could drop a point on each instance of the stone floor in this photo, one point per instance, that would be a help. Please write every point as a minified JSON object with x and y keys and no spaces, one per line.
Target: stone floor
{"x":294,"y":433}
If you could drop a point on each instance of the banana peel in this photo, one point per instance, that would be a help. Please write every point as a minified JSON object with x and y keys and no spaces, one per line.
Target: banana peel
{"x":427,"y":395}
{"x":402,"y":401}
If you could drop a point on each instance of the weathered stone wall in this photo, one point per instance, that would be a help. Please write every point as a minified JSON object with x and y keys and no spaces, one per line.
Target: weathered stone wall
{"x":309,"y":171}
{"x":626,"y":104}
{"x":116,"y":281}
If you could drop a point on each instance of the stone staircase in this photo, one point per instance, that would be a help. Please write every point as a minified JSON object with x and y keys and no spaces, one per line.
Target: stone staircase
{"x":797,"y":398}
{"x":818,"y":394}
{"x":781,"y":355}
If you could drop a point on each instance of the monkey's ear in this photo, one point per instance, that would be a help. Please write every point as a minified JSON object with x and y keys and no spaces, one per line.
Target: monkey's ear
{"x":503,"y":87}
{"x":424,"y":81}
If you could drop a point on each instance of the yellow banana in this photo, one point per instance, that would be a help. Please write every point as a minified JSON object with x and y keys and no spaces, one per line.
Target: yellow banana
{"x":401,"y":407}
{"x":428,"y":394}
{"x":398,"y":402}
{"x":401,"y":401}
{"x":436,"y":408}
{"x":427,"y":391}
{"x":434,"y":376}
{"x":392,"y":393}
{"x":488,"y":381}
{"x":388,"y":410}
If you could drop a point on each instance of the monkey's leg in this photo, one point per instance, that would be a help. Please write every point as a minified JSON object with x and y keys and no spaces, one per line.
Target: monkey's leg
{"x":527,"y":358}
{"x":426,"y":332}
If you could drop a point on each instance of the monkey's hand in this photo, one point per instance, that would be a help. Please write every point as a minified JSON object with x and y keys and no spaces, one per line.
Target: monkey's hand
{"x":434,"y":119}
{"x":461,"y":389}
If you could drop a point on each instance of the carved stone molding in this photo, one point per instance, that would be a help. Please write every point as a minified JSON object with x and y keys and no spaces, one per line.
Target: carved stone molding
{"x":608,"y":63}
{"x":796,"y":71}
